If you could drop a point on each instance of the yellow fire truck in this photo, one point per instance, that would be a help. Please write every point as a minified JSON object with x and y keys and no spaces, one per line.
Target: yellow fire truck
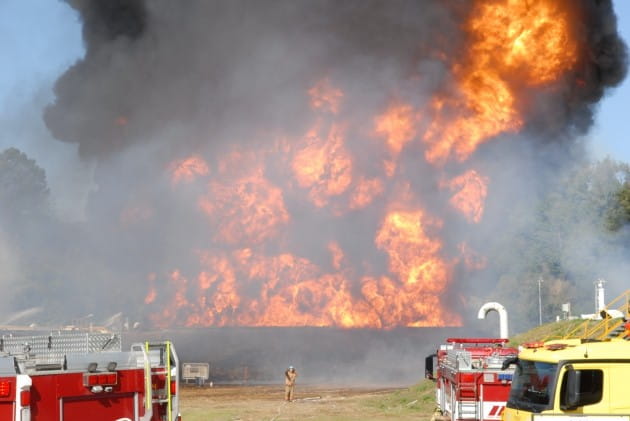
{"x":583,"y":376}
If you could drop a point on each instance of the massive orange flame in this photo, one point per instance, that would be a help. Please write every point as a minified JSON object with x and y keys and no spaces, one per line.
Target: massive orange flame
{"x":528,"y":41}
{"x":250,"y":273}
{"x":515,"y":44}
{"x":398,"y":126}
{"x":245,"y":207}
{"x":412,"y":254}
{"x":471,"y":194}
{"x":323,"y":166}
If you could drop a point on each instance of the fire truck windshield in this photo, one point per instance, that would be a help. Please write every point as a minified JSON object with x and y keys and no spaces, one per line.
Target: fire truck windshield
{"x":532,"y":386}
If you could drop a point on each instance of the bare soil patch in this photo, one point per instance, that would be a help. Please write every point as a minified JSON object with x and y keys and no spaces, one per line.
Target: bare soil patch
{"x":311,"y":403}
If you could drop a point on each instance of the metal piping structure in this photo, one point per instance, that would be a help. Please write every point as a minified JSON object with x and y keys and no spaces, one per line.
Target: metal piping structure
{"x":503,"y":319}
{"x":600,"y":301}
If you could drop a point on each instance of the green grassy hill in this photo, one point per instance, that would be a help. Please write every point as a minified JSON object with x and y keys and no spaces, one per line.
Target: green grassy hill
{"x":547,"y":331}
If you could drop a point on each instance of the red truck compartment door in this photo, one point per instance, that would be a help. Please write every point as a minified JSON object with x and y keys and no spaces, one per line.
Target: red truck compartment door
{"x":98,"y":408}
{"x":6,"y":411}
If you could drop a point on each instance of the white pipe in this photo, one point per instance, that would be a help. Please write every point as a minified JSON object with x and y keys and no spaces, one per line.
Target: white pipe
{"x":600,"y":301}
{"x":503,"y":319}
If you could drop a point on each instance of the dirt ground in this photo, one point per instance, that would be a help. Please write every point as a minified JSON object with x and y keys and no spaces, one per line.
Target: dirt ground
{"x":246,"y":403}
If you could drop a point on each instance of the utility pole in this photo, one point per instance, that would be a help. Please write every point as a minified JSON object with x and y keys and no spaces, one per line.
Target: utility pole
{"x":540,"y":281}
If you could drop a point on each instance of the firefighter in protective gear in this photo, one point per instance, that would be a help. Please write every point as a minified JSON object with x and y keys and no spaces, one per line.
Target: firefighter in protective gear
{"x":289,"y":383}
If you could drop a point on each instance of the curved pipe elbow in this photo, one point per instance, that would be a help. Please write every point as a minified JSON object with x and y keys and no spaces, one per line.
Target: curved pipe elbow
{"x":503,"y":321}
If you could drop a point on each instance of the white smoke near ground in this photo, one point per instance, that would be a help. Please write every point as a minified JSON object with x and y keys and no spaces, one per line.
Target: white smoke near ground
{"x":20,"y":316}
{"x":10,"y":268}
{"x":358,"y":357}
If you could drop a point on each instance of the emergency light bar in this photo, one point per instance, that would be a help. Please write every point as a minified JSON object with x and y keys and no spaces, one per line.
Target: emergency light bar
{"x":533,"y":345}
{"x":477,"y":340}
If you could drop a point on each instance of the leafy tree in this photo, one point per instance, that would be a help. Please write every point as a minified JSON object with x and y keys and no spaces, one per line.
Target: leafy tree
{"x":23,"y":188}
{"x":619,"y":214}
{"x":27,"y":227}
{"x":567,"y":242}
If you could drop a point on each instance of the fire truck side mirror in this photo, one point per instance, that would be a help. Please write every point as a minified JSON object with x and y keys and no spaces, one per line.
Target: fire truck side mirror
{"x":508,"y":362}
{"x":428,"y":367}
{"x":571,"y":385}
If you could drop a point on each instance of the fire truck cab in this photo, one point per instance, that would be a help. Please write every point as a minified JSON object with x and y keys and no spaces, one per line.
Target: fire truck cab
{"x":585,"y":375}
{"x":566,"y":379}
{"x":471,"y":381}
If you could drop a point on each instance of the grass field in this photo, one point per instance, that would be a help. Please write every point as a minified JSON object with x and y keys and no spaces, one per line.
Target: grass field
{"x":312,"y":403}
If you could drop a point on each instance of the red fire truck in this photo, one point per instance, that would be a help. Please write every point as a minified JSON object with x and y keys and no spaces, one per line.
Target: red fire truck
{"x":15,"y":392}
{"x":81,"y":376}
{"x":470,"y":381}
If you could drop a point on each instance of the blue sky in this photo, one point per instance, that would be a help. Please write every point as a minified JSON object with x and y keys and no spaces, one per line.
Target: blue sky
{"x":41,"y":38}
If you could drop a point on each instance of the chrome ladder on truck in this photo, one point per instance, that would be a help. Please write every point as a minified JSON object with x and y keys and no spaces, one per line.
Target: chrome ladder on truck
{"x":165,"y":379}
{"x":467,"y":404}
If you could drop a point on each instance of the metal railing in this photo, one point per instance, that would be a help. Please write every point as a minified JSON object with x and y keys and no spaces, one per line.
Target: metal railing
{"x":614,"y":316}
{"x":57,"y":344}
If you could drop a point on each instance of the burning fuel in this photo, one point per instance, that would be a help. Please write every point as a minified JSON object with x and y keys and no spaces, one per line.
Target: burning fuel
{"x":322,"y":164}
{"x":469,"y":193}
